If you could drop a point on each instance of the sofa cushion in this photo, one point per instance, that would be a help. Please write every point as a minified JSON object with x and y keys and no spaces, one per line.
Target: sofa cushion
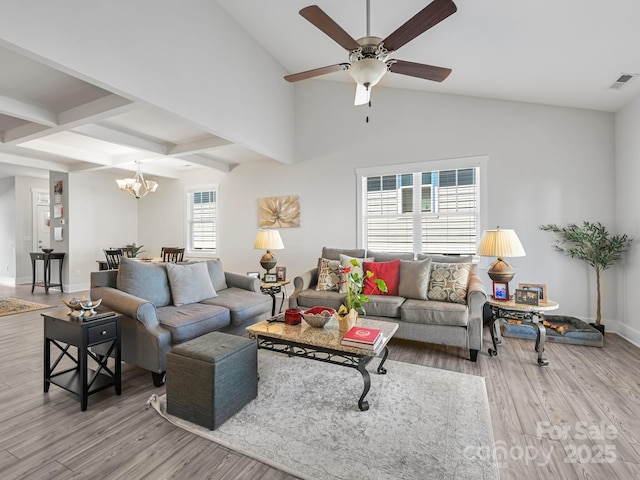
{"x":328,"y":275}
{"x":445,"y":258}
{"x":388,"y":256}
{"x":314,"y":298}
{"x":448,"y":282}
{"x":430,"y":312}
{"x":384,"y":306}
{"x":190,"y":283}
{"x":242,"y":304}
{"x":387,"y":271}
{"x":144,"y":280}
{"x":334,"y":253}
{"x":345,"y":261}
{"x":216,"y":272}
{"x":192,"y":320}
{"x":414,"y":279}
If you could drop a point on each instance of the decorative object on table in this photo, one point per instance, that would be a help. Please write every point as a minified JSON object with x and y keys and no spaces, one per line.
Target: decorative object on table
{"x":279,"y":212}
{"x":137,"y":186}
{"x":293,"y":316}
{"x":318,"y":317}
{"x":270,"y":278}
{"x":268,"y":240}
{"x":500,"y":243}
{"x":361,"y":337}
{"x":135,"y":250}
{"x":535,"y":287}
{"x":281,"y":272}
{"x":501,"y":290}
{"x":592,"y":243}
{"x":47,"y":250}
{"x":81,"y":307}
{"x":527,"y":297}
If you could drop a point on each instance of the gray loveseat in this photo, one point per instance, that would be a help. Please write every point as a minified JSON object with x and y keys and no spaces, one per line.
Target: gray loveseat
{"x":426,"y":307}
{"x":167,"y":304}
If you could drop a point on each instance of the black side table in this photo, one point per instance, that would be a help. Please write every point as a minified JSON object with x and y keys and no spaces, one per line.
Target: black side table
{"x":46,"y":258}
{"x":61,"y":328}
{"x":272,"y":289}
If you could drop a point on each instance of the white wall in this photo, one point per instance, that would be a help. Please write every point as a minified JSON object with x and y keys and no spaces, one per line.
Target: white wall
{"x":7,"y":231}
{"x":546,"y":164}
{"x":188,"y":57}
{"x":628,"y":217}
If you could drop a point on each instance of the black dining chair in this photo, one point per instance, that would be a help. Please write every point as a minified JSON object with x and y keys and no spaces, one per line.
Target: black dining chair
{"x":113,"y":258}
{"x":172,"y":254}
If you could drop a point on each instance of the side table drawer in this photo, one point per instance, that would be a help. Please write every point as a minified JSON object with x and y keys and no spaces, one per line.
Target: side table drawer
{"x":102,"y":333}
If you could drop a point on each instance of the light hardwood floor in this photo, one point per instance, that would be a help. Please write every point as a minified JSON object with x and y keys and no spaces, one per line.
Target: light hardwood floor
{"x":578,"y":418}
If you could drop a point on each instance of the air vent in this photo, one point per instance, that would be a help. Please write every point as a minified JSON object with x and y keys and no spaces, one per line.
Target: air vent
{"x":623,"y":80}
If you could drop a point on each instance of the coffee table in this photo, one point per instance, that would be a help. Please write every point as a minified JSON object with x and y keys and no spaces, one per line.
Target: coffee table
{"x":323,"y":344}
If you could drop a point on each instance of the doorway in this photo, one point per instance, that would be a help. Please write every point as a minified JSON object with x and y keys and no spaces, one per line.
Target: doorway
{"x":41,"y":223}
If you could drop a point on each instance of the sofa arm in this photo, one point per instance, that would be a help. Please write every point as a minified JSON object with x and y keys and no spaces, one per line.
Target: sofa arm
{"x":127,"y":304}
{"x":242,"y":281}
{"x":476,"y":298}
{"x":307,"y":280}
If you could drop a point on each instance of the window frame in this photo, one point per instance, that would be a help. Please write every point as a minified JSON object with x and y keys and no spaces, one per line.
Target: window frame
{"x":190,"y":250}
{"x":481,"y":162}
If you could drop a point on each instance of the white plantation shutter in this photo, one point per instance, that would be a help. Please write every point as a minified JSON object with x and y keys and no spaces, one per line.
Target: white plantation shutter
{"x":431,"y":212}
{"x":203,"y":220}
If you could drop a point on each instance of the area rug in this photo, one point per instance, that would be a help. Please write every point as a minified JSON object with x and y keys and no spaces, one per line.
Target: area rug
{"x":423,"y":423}
{"x":10,"y":306}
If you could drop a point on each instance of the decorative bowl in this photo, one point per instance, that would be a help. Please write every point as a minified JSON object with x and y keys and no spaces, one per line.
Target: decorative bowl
{"x":47,"y":250}
{"x":81,"y":306}
{"x":318,"y":317}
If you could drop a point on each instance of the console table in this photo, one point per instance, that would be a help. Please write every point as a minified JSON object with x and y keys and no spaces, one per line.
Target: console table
{"x":61,"y":328}
{"x":528,"y":314}
{"x":46,"y":259}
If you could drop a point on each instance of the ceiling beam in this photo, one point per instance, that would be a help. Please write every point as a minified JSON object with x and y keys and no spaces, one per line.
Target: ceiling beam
{"x":26,"y":111}
{"x":120,"y":138}
{"x":208,"y":162}
{"x":197,"y":146}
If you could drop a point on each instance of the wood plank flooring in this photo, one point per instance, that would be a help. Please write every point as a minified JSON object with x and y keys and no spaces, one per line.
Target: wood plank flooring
{"x":578,"y":418}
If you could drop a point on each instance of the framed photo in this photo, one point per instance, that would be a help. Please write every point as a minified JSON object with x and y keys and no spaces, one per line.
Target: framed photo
{"x":281,"y":273}
{"x":528,"y":297}
{"x":254,"y":274}
{"x":501,"y":291}
{"x":270,"y":278}
{"x":536,"y":287}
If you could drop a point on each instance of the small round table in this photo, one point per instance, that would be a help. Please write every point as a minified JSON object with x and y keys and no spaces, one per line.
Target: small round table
{"x":530,"y":314}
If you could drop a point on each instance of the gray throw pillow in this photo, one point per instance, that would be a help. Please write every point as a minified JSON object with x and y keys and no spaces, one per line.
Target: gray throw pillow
{"x":190,"y":283}
{"x":414,"y":279}
{"x":216,"y":272}
{"x":345,"y":261}
{"x":144,"y":280}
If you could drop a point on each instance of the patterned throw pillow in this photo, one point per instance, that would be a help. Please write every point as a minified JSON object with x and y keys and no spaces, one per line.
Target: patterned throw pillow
{"x":448,"y":282}
{"x":328,"y":275}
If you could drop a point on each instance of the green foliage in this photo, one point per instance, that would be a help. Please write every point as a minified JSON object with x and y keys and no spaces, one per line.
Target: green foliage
{"x":355,"y":282}
{"x":590,"y":242}
{"x":135,"y":249}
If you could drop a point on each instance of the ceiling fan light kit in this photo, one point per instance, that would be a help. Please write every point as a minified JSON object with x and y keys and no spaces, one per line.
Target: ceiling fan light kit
{"x":369,"y":56}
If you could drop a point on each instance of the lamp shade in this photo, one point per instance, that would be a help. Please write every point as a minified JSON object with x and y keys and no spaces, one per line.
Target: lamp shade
{"x":500,"y":243}
{"x":368,"y":71}
{"x":268,"y":240}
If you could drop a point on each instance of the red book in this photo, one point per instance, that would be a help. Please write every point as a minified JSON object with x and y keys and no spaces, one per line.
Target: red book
{"x":367,"y":336}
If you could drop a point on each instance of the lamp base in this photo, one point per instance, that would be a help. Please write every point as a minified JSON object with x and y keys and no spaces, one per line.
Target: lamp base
{"x":501,"y":271}
{"x":268,"y":261}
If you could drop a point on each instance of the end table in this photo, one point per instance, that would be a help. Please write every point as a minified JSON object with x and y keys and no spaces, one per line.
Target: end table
{"x":272,"y":289}
{"x":61,"y":328}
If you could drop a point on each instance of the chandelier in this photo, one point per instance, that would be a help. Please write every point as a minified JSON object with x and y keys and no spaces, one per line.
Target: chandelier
{"x":137,"y":186}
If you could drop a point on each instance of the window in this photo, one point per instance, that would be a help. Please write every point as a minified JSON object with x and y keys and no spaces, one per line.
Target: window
{"x":202,"y":218}
{"x":424,"y":210}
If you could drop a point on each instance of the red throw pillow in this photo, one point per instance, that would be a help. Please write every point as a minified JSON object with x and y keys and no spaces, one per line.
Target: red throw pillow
{"x":387,"y":271}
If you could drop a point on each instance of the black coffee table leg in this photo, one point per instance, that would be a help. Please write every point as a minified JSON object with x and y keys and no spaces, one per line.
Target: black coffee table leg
{"x":362,"y":368}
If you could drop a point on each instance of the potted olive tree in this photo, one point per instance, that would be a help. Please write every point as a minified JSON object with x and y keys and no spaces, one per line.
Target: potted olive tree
{"x":592,"y":243}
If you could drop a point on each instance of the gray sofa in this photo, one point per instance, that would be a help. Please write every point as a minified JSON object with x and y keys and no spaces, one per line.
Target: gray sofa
{"x":167,"y":304}
{"x":454,"y":320}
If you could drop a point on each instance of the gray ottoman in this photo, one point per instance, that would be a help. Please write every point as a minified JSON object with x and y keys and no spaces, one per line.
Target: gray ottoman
{"x":210,"y":378}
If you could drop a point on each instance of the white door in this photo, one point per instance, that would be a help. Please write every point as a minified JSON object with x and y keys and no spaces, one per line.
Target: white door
{"x":41,"y":225}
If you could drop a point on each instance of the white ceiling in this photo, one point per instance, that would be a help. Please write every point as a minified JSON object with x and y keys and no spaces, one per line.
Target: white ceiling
{"x":565,"y":53}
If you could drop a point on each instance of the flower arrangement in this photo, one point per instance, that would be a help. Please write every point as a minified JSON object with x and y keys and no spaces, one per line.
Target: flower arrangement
{"x":354,"y":283}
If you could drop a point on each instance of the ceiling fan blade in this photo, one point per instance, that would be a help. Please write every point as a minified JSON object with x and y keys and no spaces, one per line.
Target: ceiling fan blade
{"x":322,"y":21}
{"x":363,"y":94}
{"x":422,"y":21}
{"x":420,"y":70}
{"x":316,"y":72}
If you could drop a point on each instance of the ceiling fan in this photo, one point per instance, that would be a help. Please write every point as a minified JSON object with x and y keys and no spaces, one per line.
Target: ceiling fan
{"x":369,"y":56}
